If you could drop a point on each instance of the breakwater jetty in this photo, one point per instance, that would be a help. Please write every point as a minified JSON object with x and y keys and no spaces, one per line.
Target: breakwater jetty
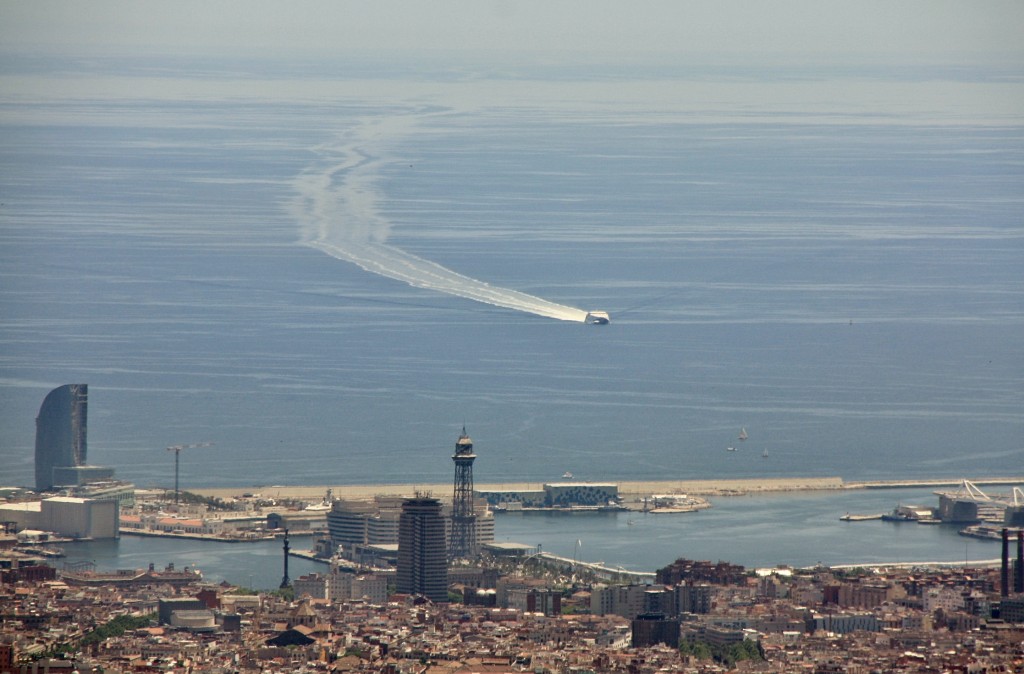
{"x":943,"y":482}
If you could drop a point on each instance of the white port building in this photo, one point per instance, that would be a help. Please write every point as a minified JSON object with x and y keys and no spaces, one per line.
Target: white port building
{"x":66,"y":516}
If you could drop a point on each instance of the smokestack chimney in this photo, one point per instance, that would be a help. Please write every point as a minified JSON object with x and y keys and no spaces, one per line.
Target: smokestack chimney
{"x":1004,"y":577}
{"x":1018,"y":581}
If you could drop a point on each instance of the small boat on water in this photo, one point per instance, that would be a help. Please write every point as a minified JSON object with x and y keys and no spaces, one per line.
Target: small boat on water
{"x":908,"y":513}
{"x":566,"y":475}
{"x":743,"y":435}
{"x":730,"y":449}
{"x":764,"y":454}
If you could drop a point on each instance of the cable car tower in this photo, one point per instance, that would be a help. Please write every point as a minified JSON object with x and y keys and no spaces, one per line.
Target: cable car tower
{"x":462,"y":543}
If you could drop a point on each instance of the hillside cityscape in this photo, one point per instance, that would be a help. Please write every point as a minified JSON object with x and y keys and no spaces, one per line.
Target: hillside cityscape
{"x":418,"y":584}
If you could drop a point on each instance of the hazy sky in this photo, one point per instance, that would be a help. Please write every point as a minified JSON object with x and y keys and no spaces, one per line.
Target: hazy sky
{"x":589,"y":27}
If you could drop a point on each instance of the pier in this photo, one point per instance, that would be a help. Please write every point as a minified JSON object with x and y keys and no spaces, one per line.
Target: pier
{"x":597,"y":568}
{"x":898,"y":484}
{"x":848,"y":517}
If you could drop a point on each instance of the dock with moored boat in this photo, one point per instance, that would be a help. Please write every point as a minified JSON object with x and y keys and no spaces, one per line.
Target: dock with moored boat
{"x":848,"y":517}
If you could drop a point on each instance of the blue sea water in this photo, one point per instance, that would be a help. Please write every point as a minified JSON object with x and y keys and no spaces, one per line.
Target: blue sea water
{"x":830,"y":258}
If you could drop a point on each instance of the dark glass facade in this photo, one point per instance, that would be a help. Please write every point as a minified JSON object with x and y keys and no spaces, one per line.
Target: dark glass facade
{"x":422,"y":551}
{"x":61,"y":432}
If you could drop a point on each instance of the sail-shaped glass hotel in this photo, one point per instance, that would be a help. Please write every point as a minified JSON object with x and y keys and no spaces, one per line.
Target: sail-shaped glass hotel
{"x":61,"y":430}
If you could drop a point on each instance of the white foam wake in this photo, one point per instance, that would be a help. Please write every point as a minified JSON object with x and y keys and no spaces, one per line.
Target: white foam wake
{"x":337,"y":206}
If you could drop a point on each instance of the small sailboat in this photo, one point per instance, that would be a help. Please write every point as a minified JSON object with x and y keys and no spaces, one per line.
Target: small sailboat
{"x":566,"y":475}
{"x":764,"y":454}
{"x":743,"y":435}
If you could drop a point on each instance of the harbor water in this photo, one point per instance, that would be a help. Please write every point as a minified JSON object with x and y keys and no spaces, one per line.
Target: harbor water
{"x":791,"y":528}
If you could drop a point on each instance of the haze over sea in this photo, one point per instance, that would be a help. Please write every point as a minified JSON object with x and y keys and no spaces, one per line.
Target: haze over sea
{"x":827,"y":254}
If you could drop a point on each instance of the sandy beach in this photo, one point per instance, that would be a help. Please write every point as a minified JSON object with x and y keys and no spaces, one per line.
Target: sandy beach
{"x":627,"y":489}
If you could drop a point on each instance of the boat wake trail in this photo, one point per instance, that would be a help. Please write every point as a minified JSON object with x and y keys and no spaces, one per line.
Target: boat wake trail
{"x":337,"y":205}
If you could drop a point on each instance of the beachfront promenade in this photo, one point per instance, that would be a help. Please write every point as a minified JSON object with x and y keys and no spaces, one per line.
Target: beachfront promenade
{"x":627,"y":489}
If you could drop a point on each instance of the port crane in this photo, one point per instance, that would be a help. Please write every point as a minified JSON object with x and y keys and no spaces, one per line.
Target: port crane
{"x":177,"y":456}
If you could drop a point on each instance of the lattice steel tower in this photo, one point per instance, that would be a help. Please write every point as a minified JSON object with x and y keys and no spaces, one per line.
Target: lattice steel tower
{"x":462,"y":543}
